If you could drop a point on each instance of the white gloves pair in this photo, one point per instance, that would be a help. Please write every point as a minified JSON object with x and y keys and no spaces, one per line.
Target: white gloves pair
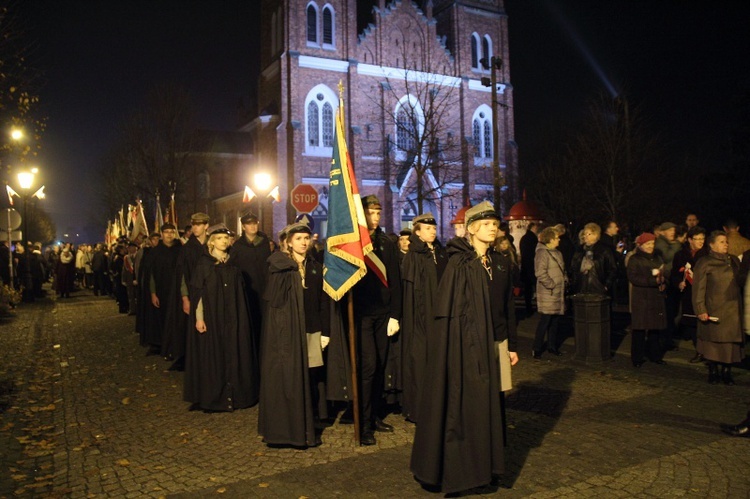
{"x":393,"y":326}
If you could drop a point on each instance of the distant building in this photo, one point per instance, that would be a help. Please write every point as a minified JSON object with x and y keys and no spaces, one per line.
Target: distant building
{"x":415,"y":104}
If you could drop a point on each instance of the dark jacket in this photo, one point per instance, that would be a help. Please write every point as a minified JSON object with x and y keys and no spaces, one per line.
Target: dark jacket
{"x":679,"y":267}
{"x":647,"y":305}
{"x":286,"y":405}
{"x":528,"y":251}
{"x":252,"y":259}
{"x":371,"y":297}
{"x":605,"y":270}
{"x":420,"y":274}
{"x":221,"y":365}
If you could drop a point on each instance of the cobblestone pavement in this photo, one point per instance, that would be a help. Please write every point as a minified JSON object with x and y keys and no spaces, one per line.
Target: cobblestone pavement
{"x":84,"y":413}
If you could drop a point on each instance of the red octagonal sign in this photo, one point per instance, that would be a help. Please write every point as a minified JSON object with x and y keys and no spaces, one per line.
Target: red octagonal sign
{"x":304,"y":198}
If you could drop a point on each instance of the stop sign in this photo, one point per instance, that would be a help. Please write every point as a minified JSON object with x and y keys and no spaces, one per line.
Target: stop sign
{"x":304,"y":198}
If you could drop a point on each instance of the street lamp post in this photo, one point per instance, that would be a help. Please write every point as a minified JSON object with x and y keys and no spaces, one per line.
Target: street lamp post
{"x":26,"y":180}
{"x":494,"y":65}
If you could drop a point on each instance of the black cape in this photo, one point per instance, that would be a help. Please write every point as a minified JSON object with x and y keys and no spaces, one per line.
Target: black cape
{"x":163,"y":269}
{"x":286,"y":403}
{"x":178,"y":324}
{"x":458,"y":443}
{"x":420,"y":274}
{"x":252,"y":259}
{"x":221,"y":365}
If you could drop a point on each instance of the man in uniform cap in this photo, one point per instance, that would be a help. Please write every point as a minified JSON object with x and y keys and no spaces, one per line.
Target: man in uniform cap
{"x":421,"y":271}
{"x":163,"y":286}
{"x":377,"y":311}
{"x":403,"y":243}
{"x":249,"y":253}
{"x":178,"y":325}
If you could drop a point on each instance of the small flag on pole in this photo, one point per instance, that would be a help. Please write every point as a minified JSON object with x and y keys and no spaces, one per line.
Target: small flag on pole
{"x":11,"y":193}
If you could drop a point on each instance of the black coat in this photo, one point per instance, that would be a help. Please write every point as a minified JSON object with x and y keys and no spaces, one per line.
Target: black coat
{"x":420,"y":274}
{"x":681,"y":259}
{"x":647,"y":305}
{"x":604,"y":265}
{"x":178,"y":324}
{"x":528,"y":251}
{"x":163,"y":271}
{"x":458,"y":443}
{"x":221,"y":365}
{"x":286,"y":402}
{"x":252,"y":259}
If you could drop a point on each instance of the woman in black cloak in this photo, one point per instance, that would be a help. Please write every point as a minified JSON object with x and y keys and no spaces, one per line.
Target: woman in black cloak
{"x":221,"y":366}
{"x":458,"y":443}
{"x":296,"y":329}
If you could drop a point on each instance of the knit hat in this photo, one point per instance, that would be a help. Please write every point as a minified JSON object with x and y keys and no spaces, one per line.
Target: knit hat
{"x":644,"y":238}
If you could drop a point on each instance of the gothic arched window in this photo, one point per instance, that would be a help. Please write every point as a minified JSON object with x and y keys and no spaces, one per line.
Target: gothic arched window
{"x":481,"y":126}
{"x":475,"y":51}
{"x":320,"y":108}
{"x":328,"y":26}
{"x":312,"y":23}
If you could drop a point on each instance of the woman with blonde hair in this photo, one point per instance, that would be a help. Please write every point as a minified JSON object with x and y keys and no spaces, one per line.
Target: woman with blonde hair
{"x":458,"y":443}
{"x":296,"y":329}
{"x":593,"y":269}
{"x":221,"y":366}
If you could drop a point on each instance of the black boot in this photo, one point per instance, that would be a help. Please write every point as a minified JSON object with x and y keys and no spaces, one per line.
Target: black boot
{"x":713,"y":373}
{"x":726,"y":374}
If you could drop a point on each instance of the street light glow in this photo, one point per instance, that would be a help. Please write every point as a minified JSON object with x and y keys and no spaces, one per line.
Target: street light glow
{"x":16,"y":134}
{"x":262,"y":181}
{"x":26,"y":180}
{"x":35,"y":170}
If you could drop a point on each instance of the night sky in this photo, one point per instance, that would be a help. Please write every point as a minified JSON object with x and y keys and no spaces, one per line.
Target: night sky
{"x":684,"y":62}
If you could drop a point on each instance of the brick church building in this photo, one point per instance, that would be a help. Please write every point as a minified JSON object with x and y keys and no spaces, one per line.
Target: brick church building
{"x":418,"y":117}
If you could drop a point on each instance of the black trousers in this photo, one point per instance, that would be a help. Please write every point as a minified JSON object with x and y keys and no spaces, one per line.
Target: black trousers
{"x":372,"y":339}
{"x":647,"y":343}
{"x":547,"y":326}
{"x":529,"y":286}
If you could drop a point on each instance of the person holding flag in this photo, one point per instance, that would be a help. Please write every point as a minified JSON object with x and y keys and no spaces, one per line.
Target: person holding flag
{"x":359,"y":258}
{"x":377,"y":312}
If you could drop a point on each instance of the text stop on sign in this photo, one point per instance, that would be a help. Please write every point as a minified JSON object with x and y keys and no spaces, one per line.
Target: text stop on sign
{"x":304,"y":198}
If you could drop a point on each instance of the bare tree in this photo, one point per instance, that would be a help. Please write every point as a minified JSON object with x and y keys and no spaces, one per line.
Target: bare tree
{"x":418,"y":108}
{"x":610,"y":167}
{"x":155,"y":149}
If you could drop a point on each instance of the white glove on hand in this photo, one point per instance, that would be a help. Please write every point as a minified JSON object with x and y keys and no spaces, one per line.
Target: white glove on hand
{"x":393,"y":326}
{"x":324,"y":340}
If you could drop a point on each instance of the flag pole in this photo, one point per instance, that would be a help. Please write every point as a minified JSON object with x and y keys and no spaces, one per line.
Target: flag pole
{"x":350,"y":315}
{"x":353,"y":362}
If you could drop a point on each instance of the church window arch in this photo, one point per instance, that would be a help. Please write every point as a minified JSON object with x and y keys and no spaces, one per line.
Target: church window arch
{"x":320,"y":108}
{"x":312,"y":24}
{"x":487,"y":48}
{"x":409,"y":124}
{"x":475,"y":51}
{"x":481,"y":125}
{"x":329,"y":27}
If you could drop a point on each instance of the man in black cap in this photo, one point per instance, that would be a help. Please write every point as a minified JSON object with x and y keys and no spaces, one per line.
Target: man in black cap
{"x":178,"y":324}
{"x":377,"y":311}
{"x":403,"y":244}
{"x":250,"y":254}
{"x":163,"y":285}
{"x":421,"y":271}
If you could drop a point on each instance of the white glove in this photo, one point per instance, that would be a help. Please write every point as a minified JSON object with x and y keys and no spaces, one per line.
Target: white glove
{"x":324,"y":340}
{"x":393,"y":326}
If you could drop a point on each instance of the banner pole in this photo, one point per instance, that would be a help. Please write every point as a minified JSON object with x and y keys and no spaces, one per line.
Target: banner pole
{"x":353,"y":362}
